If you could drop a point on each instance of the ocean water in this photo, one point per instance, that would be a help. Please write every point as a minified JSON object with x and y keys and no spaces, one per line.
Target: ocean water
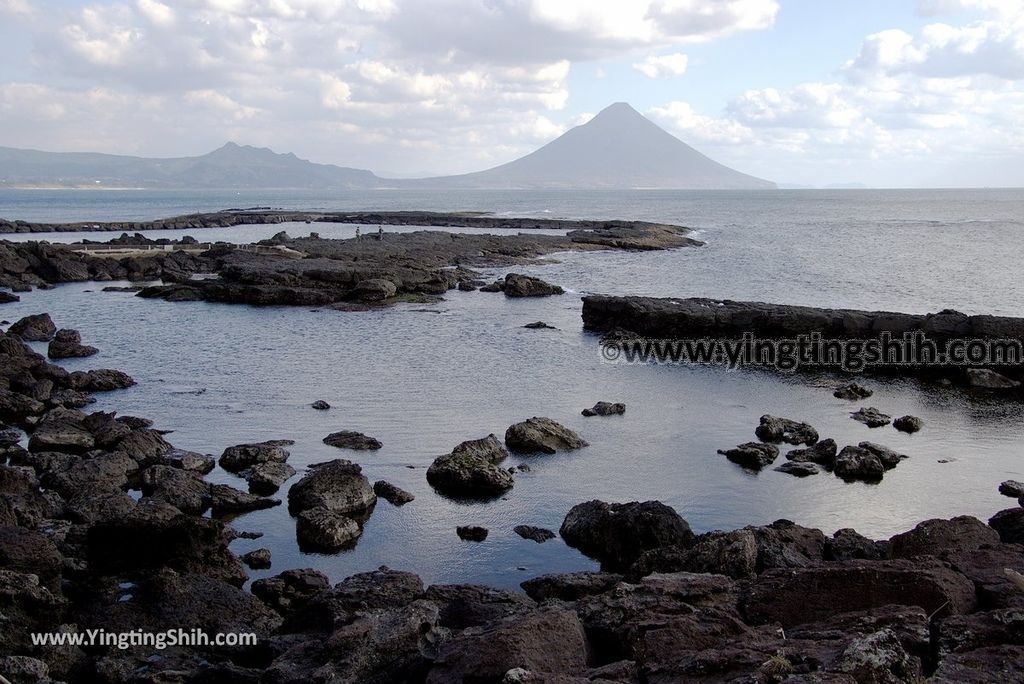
{"x":423,"y":378}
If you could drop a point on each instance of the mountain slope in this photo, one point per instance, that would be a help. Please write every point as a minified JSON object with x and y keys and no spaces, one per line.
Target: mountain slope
{"x":618,"y":148}
{"x":231,"y":166}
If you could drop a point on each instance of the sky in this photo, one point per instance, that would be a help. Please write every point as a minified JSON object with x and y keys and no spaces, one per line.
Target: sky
{"x":885,"y":93}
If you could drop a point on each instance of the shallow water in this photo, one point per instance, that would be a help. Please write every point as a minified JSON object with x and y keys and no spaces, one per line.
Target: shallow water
{"x":423,"y":378}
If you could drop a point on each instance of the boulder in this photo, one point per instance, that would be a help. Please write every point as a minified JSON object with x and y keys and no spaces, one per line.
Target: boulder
{"x":471,"y":533}
{"x":225,"y":499}
{"x":753,"y":455}
{"x":518,"y":285}
{"x":472,"y":605}
{"x":617,"y":534}
{"x":185,"y":490}
{"x":267,"y":478}
{"x":798,"y":468}
{"x":320,"y":405}
{"x":32,"y":553}
{"x":774,"y":430}
{"x":291,"y":589}
{"x":348,"y":439}
{"x":324,"y":529}
{"x":539,"y":325}
{"x":871,"y":417}
{"x":391,"y":493}
{"x":146,"y":446}
{"x":487,"y":448}
{"x":27,"y":608}
{"x":237,"y":458}
{"x":364,"y":592}
{"x":67,"y":344}
{"x":61,"y":430}
{"x":258,"y":559}
{"x":101,"y":473}
{"x":823,"y":453}
{"x":544,"y":435}
{"x":8,"y":298}
{"x":934,"y":537}
{"x":852,"y":392}
{"x":604,"y":408}
{"x":188,"y":460}
{"x":1011,"y":488}
{"x":1009,"y":524}
{"x":857,"y":463}
{"x":983,"y":378}
{"x":889,"y":458}
{"x":338,"y":486}
{"x":1000,"y":663}
{"x":909,"y":424}
{"x":537,"y":534}
{"x":35,"y":328}
{"x":100,"y":380}
{"x":879,"y":657}
{"x":848,"y":544}
{"x":570,"y":586}
{"x":375,"y":289}
{"x":468,"y":475}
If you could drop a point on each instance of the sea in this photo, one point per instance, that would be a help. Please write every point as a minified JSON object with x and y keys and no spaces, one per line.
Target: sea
{"x":422,"y":378}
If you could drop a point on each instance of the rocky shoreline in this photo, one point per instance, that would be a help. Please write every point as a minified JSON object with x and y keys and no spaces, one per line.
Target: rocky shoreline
{"x":942,"y":602}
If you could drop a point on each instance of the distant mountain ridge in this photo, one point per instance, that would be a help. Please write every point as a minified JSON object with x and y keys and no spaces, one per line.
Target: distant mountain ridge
{"x":618,"y":148}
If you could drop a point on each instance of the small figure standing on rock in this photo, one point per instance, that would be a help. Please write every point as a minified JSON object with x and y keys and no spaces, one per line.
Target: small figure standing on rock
{"x":380,"y":232}
{"x":358,"y":233}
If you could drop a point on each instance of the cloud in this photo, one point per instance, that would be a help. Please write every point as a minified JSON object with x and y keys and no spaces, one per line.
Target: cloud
{"x":663,"y":66}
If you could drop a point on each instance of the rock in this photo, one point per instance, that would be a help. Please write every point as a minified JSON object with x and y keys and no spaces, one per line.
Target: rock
{"x":146,"y":446}
{"x":1009,"y":524}
{"x":364,"y":592}
{"x":852,"y":392}
{"x":1012,"y":488}
{"x":753,"y":455}
{"x":325,"y":529}
{"x":25,"y":670}
{"x":543,"y":435}
{"x":27,"y":608}
{"x":347,"y":439}
{"x":1002,"y":663}
{"x":518,"y":285}
{"x":93,"y":507}
{"x":525,"y":641}
{"x":258,"y":559}
{"x":934,"y":537}
{"x":468,"y":474}
{"x":186,"y":491}
{"x":61,"y":430}
{"x":375,"y":289}
{"x":225,"y":499}
{"x":983,"y":378}
{"x":98,"y":474}
{"x":32,"y":553}
{"x":617,"y":534}
{"x":570,"y":586}
{"x":801,"y":595}
{"x":487,"y":448}
{"x":537,"y":534}
{"x":101,"y":380}
{"x":848,"y":544}
{"x":9,"y":437}
{"x":67,"y":344}
{"x":798,"y":468}
{"x":291,"y":589}
{"x":871,"y":417}
{"x":189,"y":460}
{"x":320,"y":405}
{"x":889,"y":458}
{"x":237,"y":458}
{"x":908,"y":424}
{"x":267,"y":478}
{"x":823,"y":453}
{"x":496,"y":286}
{"x":539,"y":325}
{"x":338,"y":486}
{"x":774,"y":430}
{"x":471,"y":605}
{"x":8,"y":298}
{"x":36,"y":328}
{"x":392,"y":494}
{"x":471,"y":533}
{"x":879,"y":657}
{"x":604,"y":408}
{"x":857,"y":463}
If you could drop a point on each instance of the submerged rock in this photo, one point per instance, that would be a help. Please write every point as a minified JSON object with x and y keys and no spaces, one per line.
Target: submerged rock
{"x":539,"y":325}
{"x":67,"y":344}
{"x":753,"y":455}
{"x":798,"y":468}
{"x":320,"y":405}
{"x":604,"y":408}
{"x":908,"y":424}
{"x":983,"y":378}
{"x":852,"y":392}
{"x":823,"y":453}
{"x":392,"y":494}
{"x":471,"y":533}
{"x":774,"y":430}
{"x":543,"y":435}
{"x":871,"y":417}
{"x":537,"y":534}
{"x":225,"y":499}
{"x":348,"y":439}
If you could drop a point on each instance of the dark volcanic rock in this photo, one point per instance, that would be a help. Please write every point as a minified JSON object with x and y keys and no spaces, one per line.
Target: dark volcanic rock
{"x":487,"y":448}
{"x":774,"y":430}
{"x":852,"y":392}
{"x":983,"y":378}
{"x":267,"y":477}
{"x":518,"y":285}
{"x":605,"y":408}
{"x":848,"y":544}
{"x":258,"y":559}
{"x":889,"y":458}
{"x":798,"y":468}
{"x":8,"y":298}
{"x":470,"y":473}
{"x":30,"y":552}
{"x":871,"y":417}
{"x":1009,"y":524}
{"x":823,"y":453}
{"x":338,"y":486}
{"x":537,"y":534}
{"x":539,"y":325}
{"x":909,"y":424}
{"x":35,"y":328}
{"x":225,"y":499}
{"x":471,"y":605}
{"x":753,"y":455}
{"x":471,"y":533}
{"x":322,"y":528}
{"x":347,"y":439}
{"x":67,"y":344}
{"x":101,"y":380}
{"x":857,"y":463}
{"x":320,"y":405}
{"x":617,"y":534}
{"x":62,"y":430}
{"x":569,"y":586}
{"x":237,"y":458}
{"x":185,"y":490}
{"x":935,"y":537}
{"x":291,"y":589}
{"x":543,"y":435}
{"x":1012,"y":488}
{"x":392,"y":494}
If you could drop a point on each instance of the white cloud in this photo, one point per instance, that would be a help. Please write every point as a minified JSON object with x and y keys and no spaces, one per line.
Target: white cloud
{"x":663,"y":66}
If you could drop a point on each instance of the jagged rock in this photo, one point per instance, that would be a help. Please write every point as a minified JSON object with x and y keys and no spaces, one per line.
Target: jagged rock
{"x":101,"y":380}
{"x":226,"y":499}
{"x":187,"y":491}
{"x":1009,"y":524}
{"x":98,"y":474}
{"x":291,"y":589}
{"x":392,"y":494}
{"x":471,"y":605}
{"x":471,"y":533}
{"x":323,"y":528}
{"x":9,"y":437}
{"x":27,"y":608}
{"x":61,"y":430}
{"x":189,"y":460}
{"x":753,"y":455}
{"x":848,"y":544}
{"x":67,"y":344}
{"x":857,"y":463}
{"x":467,"y":474}
{"x":338,"y":486}
{"x":364,"y":592}
{"x":617,"y":534}
{"x":937,"y":536}
{"x":32,"y":553}
{"x":569,"y":586}
{"x":908,"y":424}
{"x":496,"y":286}
{"x":889,"y":458}
{"x":375,"y":289}
{"x":774,"y":430}
{"x":259,"y":559}
{"x":8,"y":298}
{"x":604,"y":408}
{"x":879,"y":657}
{"x":347,"y":439}
{"x":871,"y":417}
{"x":983,"y":378}
{"x":518,"y":285}
{"x":823,"y":453}
{"x":1012,"y":488}
{"x":237,"y":458}
{"x":1002,"y":663}
{"x":267,"y":477}
{"x":543,"y":435}
{"x":320,"y":405}
{"x":487,"y":448}
{"x":93,"y":507}
{"x":537,"y":534}
{"x":798,"y":468}
{"x":35,"y":328}
{"x":146,"y":446}
{"x":852,"y":392}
